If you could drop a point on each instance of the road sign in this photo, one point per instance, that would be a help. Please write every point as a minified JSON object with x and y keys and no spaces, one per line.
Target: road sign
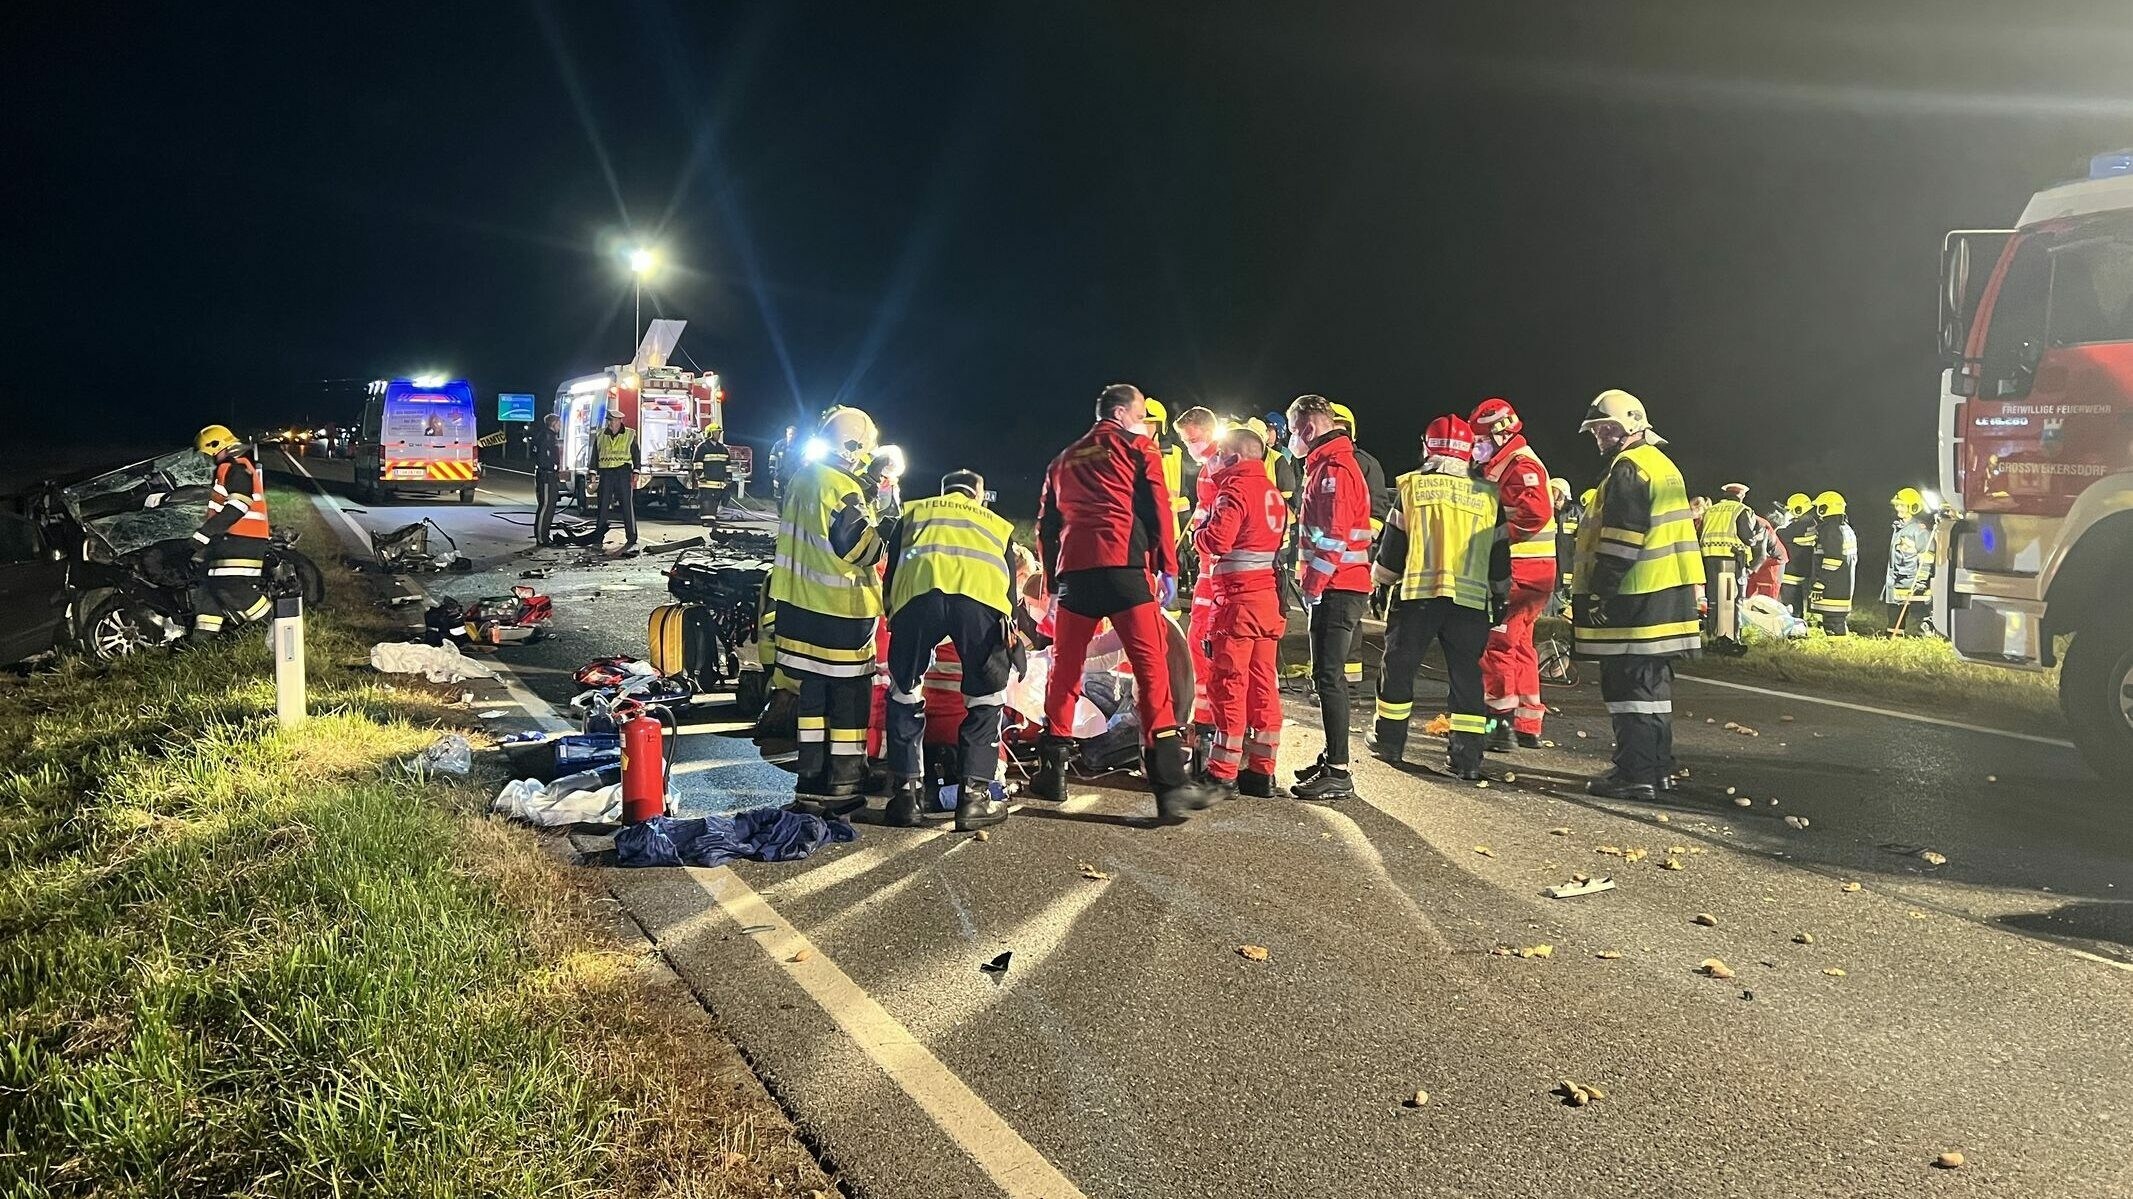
{"x":514,"y":406}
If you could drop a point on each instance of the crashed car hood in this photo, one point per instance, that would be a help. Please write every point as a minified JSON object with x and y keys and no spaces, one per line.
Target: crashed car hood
{"x":101,"y":504}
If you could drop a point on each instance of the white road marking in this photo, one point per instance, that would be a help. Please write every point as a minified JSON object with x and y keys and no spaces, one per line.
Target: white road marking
{"x":1891,"y":714}
{"x":1011,"y":1162}
{"x":2113,"y":963}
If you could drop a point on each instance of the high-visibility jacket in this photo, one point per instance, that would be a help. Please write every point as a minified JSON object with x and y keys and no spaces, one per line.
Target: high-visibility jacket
{"x":827,"y":545}
{"x":1912,"y":557}
{"x":1639,"y":563}
{"x":1521,"y":483}
{"x":1104,"y":506}
{"x":1174,"y":479}
{"x":1836,"y":565}
{"x":236,"y":504}
{"x":1281,"y":472}
{"x":1566,"y":538}
{"x":1798,"y":537}
{"x":1240,"y":540}
{"x":611,"y":450}
{"x":951,"y":544}
{"x":1728,"y":527}
{"x":1445,"y":539}
{"x":1333,"y":530}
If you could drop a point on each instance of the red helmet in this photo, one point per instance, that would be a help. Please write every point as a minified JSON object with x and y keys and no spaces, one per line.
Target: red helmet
{"x":1495,"y":416}
{"x":1449,"y":437}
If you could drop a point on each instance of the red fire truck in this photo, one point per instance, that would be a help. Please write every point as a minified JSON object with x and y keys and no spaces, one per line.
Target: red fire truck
{"x":672,"y":410}
{"x":2036,"y":449}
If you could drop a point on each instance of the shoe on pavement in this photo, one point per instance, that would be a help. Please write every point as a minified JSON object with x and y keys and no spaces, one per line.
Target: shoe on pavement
{"x":1312,"y":771}
{"x":1176,"y":803}
{"x":1529,"y":740}
{"x":1219,"y":789}
{"x":904,"y":804}
{"x":1050,"y":784}
{"x":1500,"y":739}
{"x":1471,"y":774}
{"x":1255,"y":785}
{"x":1607,"y":786}
{"x":1329,"y":783}
{"x":975,"y":807}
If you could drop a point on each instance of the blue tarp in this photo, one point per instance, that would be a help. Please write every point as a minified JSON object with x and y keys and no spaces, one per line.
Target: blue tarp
{"x":759,"y":834}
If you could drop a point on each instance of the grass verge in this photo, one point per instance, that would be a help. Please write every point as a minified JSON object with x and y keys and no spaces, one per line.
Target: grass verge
{"x":243,"y":959}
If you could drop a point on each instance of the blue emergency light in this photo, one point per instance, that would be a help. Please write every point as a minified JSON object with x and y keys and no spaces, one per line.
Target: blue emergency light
{"x":2110,"y":164}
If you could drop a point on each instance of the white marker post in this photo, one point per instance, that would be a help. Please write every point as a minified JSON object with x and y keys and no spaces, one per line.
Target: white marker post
{"x":288,"y":644}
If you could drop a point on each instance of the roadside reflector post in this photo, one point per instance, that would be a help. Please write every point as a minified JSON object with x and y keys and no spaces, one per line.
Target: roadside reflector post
{"x":287,"y":642}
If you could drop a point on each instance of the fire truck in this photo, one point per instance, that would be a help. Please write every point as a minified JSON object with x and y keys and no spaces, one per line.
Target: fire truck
{"x":2036,"y":449}
{"x":672,"y":410}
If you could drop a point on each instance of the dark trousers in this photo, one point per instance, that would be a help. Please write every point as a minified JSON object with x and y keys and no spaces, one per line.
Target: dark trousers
{"x":1639,"y":692}
{"x":1411,"y":627}
{"x":547,"y":489}
{"x":1336,"y":623}
{"x":979,"y":635}
{"x":615,"y":488}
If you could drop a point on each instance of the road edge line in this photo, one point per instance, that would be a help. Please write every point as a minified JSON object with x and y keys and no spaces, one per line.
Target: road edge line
{"x":1888,"y":712}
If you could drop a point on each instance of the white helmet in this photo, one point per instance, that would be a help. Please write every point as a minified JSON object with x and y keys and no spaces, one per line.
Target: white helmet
{"x":1623,"y":409}
{"x":849,"y":431}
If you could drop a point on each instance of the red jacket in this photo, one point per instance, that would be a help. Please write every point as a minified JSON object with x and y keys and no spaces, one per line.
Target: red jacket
{"x":1105,"y":505}
{"x":1528,"y":512}
{"x":1241,"y":537}
{"x":1333,"y":529}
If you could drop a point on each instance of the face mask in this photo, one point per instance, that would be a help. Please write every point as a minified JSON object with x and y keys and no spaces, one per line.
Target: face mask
{"x":1298,"y":446}
{"x":1485,"y":448}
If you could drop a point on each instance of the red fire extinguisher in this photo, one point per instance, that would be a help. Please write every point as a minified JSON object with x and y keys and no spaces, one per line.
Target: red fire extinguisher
{"x":646,"y":764}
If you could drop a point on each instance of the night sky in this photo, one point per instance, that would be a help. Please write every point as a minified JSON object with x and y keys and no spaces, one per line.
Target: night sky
{"x":968,"y":218}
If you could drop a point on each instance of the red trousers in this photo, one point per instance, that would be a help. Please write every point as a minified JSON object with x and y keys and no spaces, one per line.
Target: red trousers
{"x":1203,"y":668}
{"x":1142,"y":633}
{"x":1767,"y":580}
{"x":1245,"y":690}
{"x":1510,"y":670}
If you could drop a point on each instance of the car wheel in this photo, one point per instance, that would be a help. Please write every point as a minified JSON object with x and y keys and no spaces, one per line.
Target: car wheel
{"x":120,"y":627}
{"x":466,"y":495}
{"x":2096,"y":693}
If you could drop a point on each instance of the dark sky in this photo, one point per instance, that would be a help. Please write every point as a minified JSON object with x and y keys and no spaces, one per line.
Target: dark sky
{"x":967,"y":219}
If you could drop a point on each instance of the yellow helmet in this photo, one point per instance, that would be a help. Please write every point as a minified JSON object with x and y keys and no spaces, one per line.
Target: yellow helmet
{"x":1343,"y":416}
{"x":1829,"y":503}
{"x":1798,"y":504}
{"x":1157,"y":414}
{"x":849,"y":431}
{"x":1908,"y":502}
{"x":214,"y":439}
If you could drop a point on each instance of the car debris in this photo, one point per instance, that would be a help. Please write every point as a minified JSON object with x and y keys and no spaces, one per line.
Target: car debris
{"x":1576,"y":1094}
{"x":1577,"y":887}
{"x":1714,"y":968}
{"x":1418,"y":1099}
{"x":1253,"y":953}
{"x":998,"y":965}
{"x":1803,"y":938}
{"x":1704,"y":918}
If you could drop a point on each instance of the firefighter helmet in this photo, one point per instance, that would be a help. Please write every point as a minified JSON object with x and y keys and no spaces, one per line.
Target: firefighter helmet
{"x":1158,"y":415}
{"x":886,"y":462}
{"x":1908,"y":502}
{"x":1558,"y":490}
{"x":1829,"y":503}
{"x":1448,"y":437}
{"x":1343,"y":416}
{"x":1625,"y":411}
{"x":849,"y":431}
{"x":1233,"y":434}
{"x":214,"y":439}
{"x":969,"y":482}
{"x":1798,"y":504}
{"x":1494,"y":415}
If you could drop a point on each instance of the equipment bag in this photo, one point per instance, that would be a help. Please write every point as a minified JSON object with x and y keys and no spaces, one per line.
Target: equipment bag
{"x":684,"y":641}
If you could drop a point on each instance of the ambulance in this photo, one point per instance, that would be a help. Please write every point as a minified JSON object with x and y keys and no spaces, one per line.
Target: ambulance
{"x":417,"y":435}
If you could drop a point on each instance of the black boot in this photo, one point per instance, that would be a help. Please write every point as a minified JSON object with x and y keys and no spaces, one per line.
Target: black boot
{"x":975,"y":807}
{"x":1465,"y":756}
{"x":1203,"y":747}
{"x":1529,"y":740}
{"x":1260,"y":786}
{"x":905,"y":801}
{"x":1613,"y":786}
{"x":1386,"y":741}
{"x":1050,"y":785}
{"x":1499,"y":737}
{"x":1176,"y":794}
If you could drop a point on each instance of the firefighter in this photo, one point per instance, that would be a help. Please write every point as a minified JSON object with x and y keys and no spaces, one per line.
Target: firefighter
{"x":616,"y":458}
{"x":231,"y":544}
{"x":1196,"y":428}
{"x":1510,"y":669}
{"x":1908,"y":587}
{"x":714,"y":475}
{"x":1797,"y":534}
{"x":1333,"y":540}
{"x":782,"y":455}
{"x":1836,"y":564}
{"x":1638,"y":567}
{"x":1568,"y":512}
{"x":546,"y":448}
{"x":1445,"y":555}
{"x":1240,"y":541}
{"x":1107,"y":543}
{"x":1173,"y":458}
{"x":1726,"y":536}
{"x":828,"y":603}
{"x":1380,"y":507}
{"x":1768,"y":549}
{"x":951,"y":570}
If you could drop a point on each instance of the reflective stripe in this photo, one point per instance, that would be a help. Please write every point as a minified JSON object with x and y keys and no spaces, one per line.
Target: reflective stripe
{"x":234,"y":572}
{"x":1462,"y":723}
{"x":860,"y":653}
{"x":806,"y":570}
{"x":258,"y":609}
{"x":848,"y":749}
{"x":1392,"y":711}
{"x":1236,"y":560}
{"x":805,"y":665}
{"x":254,"y":563}
{"x":1657,"y":646}
{"x":1353,"y":670}
{"x":910,"y":699}
{"x":1641,"y":707}
{"x":954,"y":545}
{"x":847,"y":734}
{"x":991,"y":699}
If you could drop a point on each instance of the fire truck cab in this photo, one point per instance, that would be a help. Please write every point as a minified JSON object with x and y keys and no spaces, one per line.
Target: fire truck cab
{"x":2036,"y":449}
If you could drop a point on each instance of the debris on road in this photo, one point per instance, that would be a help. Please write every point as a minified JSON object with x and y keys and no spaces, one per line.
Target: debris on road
{"x":1438,"y":725}
{"x":1704,"y":918}
{"x":1992,"y":778}
{"x":1803,"y":938}
{"x":1608,"y":955}
{"x":1714,"y":968}
{"x":981,"y":835}
{"x":1785,"y":720}
{"x":1255,"y":953}
{"x":1484,"y":851}
{"x":1732,"y":790}
{"x":1848,"y":888}
{"x":1834,"y":971}
{"x":1579,"y":885}
{"x":1931,"y":858}
{"x":1741,"y":729}
{"x":449,"y":754}
{"x":1613,"y":851}
{"x":1564,"y":831}
{"x":1418,"y":1099}
{"x":1537,"y":951}
{"x":802,"y":955}
{"x":1091,"y":873}
{"x":1796,"y":822}
{"x":1577,"y":1094}
{"x":1582,"y":734}
{"x":437,"y":663}
{"x":1951,"y":1160}
{"x":999,"y":964}
{"x":1663,"y":818}
{"x":1670,"y":864}
{"x":1634,"y":855}
{"x":1743,"y":801}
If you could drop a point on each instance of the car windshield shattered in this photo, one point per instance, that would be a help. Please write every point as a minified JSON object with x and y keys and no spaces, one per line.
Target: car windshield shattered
{"x":110,"y":505}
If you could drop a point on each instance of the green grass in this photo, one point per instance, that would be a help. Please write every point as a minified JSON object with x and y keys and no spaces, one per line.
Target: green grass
{"x":247,"y":960}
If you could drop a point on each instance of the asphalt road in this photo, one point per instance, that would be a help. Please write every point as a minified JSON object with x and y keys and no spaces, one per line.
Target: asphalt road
{"x":1130,"y":1049}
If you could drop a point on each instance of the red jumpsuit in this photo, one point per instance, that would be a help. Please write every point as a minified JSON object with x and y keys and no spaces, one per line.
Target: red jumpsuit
{"x":1510,"y":670}
{"x":1104,"y":525}
{"x":1239,"y":544}
{"x":1769,"y":577}
{"x":1203,"y":603}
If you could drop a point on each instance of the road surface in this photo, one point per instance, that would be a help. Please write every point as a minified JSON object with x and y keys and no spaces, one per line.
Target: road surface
{"x":1129,"y":1048}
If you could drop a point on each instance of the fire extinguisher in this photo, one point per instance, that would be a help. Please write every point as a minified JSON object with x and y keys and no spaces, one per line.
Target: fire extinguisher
{"x":647,"y":764}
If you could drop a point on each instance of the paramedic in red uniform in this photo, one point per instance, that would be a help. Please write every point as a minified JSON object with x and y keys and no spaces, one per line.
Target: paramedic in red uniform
{"x":1333,"y":540}
{"x":1239,"y":544}
{"x":1196,"y":430}
{"x":1510,"y":670}
{"x":1106,"y":534}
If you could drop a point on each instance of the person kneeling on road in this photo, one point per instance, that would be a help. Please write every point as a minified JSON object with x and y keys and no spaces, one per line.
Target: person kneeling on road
{"x":1445,"y":554}
{"x":950,"y":575}
{"x":233,"y":540}
{"x":1239,"y":544}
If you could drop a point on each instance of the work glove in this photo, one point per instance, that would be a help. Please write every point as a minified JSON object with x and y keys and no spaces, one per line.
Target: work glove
{"x":1381,"y":600}
{"x":1499,"y":610}
{"x":1596,"y":611}
{"x":1166,"y":589}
